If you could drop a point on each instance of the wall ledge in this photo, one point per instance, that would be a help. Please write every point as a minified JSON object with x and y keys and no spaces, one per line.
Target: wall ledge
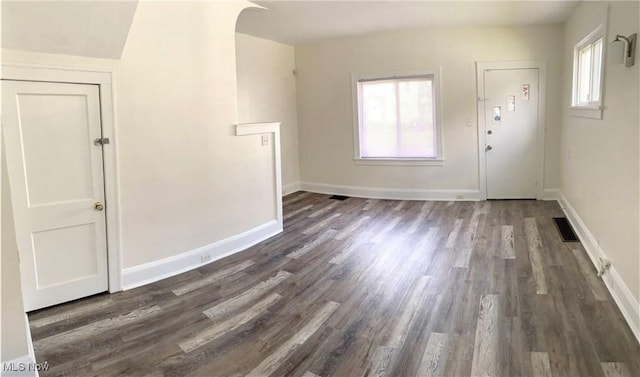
{"x":257,"y":128}
{"x":621,"y":294}
{"x":391,"y":193}
{"x":151,"y":272}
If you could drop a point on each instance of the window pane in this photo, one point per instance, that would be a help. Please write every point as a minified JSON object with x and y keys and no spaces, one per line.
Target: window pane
{"x":397,"y":119}
{"x":597,"y":61}
{"x":416,"y":119}
{"x":378,"y":135}
{"x":584,"y":72}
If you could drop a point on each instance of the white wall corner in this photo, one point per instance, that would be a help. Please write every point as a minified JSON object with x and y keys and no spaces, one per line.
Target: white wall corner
{"x":32,"y":352}
{"x":621,"y":294}
{"x":391,"y":193}
{"x":151,"y":272}
{"x":551,"y":194}
{"x":290,"y":188}
{"x":24,"y":366}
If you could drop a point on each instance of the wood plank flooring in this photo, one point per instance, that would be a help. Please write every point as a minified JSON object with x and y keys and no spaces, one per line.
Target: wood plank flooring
{"x":362,"y":288}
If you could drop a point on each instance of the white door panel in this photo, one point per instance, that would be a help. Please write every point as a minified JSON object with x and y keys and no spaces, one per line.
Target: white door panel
{"x":47,"y":119}
{"x":56,"y":244}
{"x":511,"y":140}
{"x":56,"y":177}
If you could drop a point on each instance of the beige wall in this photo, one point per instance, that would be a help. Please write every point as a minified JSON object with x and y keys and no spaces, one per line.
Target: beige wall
{"x":14,"y":327}
{"x":267,"y":92}
{"x":186,"y":181}
{"x":599,"y":158}
{"x":325,"y":114}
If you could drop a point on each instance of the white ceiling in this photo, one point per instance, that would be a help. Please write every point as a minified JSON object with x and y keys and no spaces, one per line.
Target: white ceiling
{"x":83,"y":28}
{"x":295,"y":22}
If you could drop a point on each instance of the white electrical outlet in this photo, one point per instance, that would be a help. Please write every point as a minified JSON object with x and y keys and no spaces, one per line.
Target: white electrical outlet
{"x":205,"y":258}
{"x":265,"y":140}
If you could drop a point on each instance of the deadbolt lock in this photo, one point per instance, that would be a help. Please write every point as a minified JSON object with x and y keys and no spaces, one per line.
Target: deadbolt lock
{"x":489,"y":147}
{"x":98,"y":206}
{"x":489,"y":132}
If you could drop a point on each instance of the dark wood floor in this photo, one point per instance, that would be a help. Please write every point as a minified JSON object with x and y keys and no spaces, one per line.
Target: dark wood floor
{"x":362,"y":288}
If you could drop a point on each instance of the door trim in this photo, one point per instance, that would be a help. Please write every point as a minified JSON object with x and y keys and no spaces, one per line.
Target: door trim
{"x":103,"y":77}
{"x":541,"y":66}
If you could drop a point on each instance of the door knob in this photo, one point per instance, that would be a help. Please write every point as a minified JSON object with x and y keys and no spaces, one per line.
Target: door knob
{"x":489,"y":147}
{"x":98,"y":206}
{"x":489,"y":132}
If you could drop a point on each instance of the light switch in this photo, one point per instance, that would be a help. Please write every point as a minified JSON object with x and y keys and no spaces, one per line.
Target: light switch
{"x":265,"y":140}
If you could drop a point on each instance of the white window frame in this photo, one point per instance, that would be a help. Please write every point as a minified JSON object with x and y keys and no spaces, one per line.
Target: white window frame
{"x":592,"y":109}
{"x":436,"y":161}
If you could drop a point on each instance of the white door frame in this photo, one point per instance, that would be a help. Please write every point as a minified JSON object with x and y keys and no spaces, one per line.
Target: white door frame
{"x":104,"y":79}
{"x":541,"y":66}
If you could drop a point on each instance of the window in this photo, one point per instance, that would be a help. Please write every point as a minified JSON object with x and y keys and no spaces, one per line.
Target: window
{"x":587,"y":74}
{"x":397,"y":119}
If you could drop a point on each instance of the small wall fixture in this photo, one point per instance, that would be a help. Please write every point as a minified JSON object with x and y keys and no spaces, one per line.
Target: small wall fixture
{"x":623,"y":49}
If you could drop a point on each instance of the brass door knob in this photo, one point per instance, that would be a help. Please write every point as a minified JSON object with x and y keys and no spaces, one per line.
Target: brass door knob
{"x":98,"y":206}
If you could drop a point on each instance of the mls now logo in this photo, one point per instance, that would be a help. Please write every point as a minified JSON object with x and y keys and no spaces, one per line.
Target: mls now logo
{"x":25,"y":367}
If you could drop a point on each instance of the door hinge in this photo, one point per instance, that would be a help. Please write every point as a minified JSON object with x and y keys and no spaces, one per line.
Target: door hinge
{"x":101,"y":141}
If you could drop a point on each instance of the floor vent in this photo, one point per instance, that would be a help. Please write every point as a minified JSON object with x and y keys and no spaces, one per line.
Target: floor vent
{"x":565,"y":229}
{"x":338,"y":197}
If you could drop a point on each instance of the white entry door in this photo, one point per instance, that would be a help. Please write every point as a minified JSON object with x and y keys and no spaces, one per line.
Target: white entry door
{"x":57,"y":188}
{"x":511,"y":127}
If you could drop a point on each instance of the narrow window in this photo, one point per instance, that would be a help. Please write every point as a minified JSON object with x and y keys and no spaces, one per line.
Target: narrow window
{"x":587,"y":82}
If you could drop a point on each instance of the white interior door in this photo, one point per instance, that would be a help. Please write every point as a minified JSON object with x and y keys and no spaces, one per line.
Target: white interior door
{"x":511,"y":127}
{"x":57,"y":189}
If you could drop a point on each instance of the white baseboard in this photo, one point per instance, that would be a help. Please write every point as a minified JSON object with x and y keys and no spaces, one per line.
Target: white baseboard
{"x":551,"y":194}
{"x":148,"y":273}
{"x":391,"y":193}
{"x":290,"y":188}
{"x":623,"y":297}
{"x":24,"y":366}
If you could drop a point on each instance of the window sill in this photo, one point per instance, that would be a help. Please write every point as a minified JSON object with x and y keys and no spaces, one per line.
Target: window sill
{"x":591,"y":112}
{"x":400,"y":161}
